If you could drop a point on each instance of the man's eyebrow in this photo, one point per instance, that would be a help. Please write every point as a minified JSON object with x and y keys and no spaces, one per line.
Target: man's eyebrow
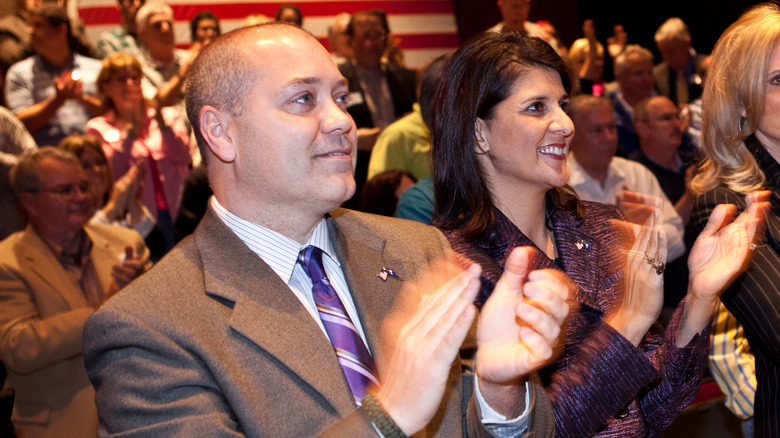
{"x":303,"y":81}
{"x":313,"y":81}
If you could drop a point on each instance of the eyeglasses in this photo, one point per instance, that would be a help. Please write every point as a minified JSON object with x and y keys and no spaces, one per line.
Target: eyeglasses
{"x":97,"y":162}
{"x":122,"y":79}
{"x":373,"y":35}
{"x":65,"y":190}
{"x":158,"y":25}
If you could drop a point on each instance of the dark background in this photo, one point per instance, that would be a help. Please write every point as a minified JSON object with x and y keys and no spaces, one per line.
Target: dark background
{"x":705,"y":19}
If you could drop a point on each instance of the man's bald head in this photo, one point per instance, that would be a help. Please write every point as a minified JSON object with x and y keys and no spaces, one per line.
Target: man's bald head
{"x":225,"y":71}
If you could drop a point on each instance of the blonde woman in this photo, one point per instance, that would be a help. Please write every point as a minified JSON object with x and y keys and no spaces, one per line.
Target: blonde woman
{"x":741,"y":142}
{"x":133,"y":132}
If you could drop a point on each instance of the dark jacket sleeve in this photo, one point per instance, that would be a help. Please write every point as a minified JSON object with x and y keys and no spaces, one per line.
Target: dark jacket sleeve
{"x":753,"y":299}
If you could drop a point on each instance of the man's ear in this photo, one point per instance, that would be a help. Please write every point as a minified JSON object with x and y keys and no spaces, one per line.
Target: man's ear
{"x":215,"y":128}
{"x":481,"y":130}
{"x":26,"y":203}
{"x":63,"y":29}
{"x":641,"y":129}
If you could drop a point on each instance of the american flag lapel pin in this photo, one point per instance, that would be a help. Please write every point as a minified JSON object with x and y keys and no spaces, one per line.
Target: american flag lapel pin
{"x":583,"y":244}
{"x":384,"y":273}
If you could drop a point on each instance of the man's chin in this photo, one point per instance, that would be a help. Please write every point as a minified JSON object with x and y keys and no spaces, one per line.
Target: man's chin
{"x":344,"y":194}
{"x":79,"y":220}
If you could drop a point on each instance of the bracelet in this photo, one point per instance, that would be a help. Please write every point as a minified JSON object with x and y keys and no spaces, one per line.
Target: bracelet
{"x":381,"y":419}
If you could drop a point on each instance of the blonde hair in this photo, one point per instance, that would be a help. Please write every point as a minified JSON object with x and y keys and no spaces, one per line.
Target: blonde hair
{"x":113,"y":64}
{"x":733,"y":101}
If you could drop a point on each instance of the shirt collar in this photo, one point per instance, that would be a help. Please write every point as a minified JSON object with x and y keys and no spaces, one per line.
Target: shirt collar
{"x":67,"y":259}
{"x":578,"y":175}
{"x":277,"y":250}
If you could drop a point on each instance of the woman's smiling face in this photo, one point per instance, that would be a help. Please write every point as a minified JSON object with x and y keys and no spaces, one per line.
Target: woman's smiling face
{"x":526,"y":141}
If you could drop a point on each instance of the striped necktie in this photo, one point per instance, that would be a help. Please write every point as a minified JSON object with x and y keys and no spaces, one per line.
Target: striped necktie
{"x":353,"y":356}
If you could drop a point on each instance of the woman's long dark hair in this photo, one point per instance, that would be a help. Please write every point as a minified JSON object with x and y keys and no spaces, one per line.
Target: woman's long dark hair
{"x":478,"y":77}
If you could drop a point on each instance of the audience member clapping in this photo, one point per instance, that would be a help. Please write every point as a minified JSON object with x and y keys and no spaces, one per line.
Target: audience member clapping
{"x":114,"y":204}
{"x":500,"y":139}
{"x":741,"y":142}
{"x":164,"y":66}
{"x":53,"y":275}
{"x":133,"y":132}
{"x":52,"y":92}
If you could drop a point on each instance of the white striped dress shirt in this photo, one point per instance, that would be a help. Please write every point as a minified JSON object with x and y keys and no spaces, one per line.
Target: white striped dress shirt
{"x":281,"y":254}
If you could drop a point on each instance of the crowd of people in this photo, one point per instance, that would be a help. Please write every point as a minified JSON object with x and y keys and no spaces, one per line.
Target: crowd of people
{"x":571,"y":253}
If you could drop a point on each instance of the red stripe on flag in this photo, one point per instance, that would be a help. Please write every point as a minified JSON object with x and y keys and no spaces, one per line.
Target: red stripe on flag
{"x":183,"y":12}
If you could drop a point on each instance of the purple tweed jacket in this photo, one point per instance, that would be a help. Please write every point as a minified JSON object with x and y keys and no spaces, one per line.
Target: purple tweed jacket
{"x":601,"y":385}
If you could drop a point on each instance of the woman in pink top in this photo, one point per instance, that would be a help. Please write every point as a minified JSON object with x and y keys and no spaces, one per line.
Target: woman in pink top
{"x":133,"y":130}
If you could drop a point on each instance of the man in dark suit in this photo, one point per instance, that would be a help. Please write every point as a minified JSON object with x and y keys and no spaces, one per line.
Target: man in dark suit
{"x":680,"y":75}
{"x":223,"y":337}
{"x":379,"y":92}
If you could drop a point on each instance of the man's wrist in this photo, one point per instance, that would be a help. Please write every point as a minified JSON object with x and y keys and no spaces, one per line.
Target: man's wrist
{"x":381,"y":419}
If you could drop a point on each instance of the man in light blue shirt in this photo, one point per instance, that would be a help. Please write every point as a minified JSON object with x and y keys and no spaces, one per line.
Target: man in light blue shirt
{"x":53,"y":91}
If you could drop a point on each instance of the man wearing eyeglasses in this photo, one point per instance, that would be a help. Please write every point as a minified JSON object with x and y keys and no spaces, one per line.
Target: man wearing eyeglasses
{"x":53,"y":275}
{"x":164,"y":65}
{"x":379,"y":92}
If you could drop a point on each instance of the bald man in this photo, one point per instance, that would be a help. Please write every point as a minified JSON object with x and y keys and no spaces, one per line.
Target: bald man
{"x":229,"y":335}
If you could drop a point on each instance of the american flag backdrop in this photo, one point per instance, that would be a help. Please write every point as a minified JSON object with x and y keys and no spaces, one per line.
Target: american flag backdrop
{"x":427,"y":28}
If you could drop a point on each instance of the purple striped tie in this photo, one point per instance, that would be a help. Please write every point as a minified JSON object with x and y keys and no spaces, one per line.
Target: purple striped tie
{"x":353,"y":356}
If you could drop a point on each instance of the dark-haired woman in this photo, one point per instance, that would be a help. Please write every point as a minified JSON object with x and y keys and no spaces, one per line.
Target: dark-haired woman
{"x":500,"y":139}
